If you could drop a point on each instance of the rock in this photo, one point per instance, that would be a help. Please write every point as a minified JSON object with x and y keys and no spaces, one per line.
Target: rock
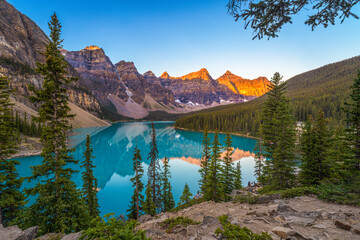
{"x":285,"y":208}
{"x":342,"y":225}
{"x":285,"y":233}
{"x":235,"y":221}
{"x":10,"y":233}
{"x":319,"y":226}
{"x":52,"y":236}
{"x":145,"y":218}
{"x":209,"y":220}
{"x":72,"y":236}
{"x":208,"y":237}
{"x":280,"y":219}
{"x":29,"y":233}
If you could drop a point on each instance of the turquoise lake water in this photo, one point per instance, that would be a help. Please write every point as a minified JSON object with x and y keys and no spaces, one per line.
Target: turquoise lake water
{"x":113,"y":151}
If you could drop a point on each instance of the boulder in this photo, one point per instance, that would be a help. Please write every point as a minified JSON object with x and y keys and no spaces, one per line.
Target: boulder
{"x":72,"y":236}
{"x":29,"y":233}
{"x":342,"y":225}
{"x":285,"y":233}
{"x":10,"y":233}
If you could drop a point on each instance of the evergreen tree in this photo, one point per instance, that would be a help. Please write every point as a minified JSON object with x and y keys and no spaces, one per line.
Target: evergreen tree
{"x":314,"y":145}
{"x":238,"y":182}
{"x":89,"y":188}
{"x":259,"y":164}
{"x":58,"y":206}
{"x":149,"y":205}
{"x":228,"y":169}
{"x":154,"y":171}
{"x":213,"y":186}
{"x":11,"y":198}
{"x":204,"y":160}
{"x":278,"y":131}
{"x":137,"y":198}
{"x":352,"y":162}
{"x":185,"y":196}
{"x":168,"y":199}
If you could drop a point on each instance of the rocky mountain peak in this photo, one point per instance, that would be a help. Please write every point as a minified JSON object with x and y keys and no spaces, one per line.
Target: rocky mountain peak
{"x":247,"y":87}
{"x":201,"y":74}
{"x":165,"y":75}
{"x":124,"y":67}
{"x":149,"y":74}
{"x":92,"y":47}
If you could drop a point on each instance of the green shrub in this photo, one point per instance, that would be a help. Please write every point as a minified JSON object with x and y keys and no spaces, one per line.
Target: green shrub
{"x":112,"y":228}
{"x":170,"y":223}
{"x":186,"y":205}
{"x":340,"y":194}
{"x":248,"y":198}
{"x":232,"y":231}
{"x":291,"y":192}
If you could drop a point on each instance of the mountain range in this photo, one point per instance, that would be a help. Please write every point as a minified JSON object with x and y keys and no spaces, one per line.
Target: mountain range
{"x":106,"y":90}
{"x":326,"y":88}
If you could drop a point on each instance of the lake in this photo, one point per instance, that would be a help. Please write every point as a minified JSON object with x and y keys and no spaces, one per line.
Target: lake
{"x":113,"y":152}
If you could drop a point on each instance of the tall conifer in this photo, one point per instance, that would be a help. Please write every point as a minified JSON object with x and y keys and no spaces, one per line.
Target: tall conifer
{"x":149,"y":205}
{"x":205,"y":158}
{"x":137,"y":199}
{"x":167,"y":196}
{"x":228,"y":169}
{"x":315,"y":145}
{"x":11,"y":198}
{"x":238,"y":182}
{"x":154,"y":171}
{"x":214,"y":179}
{"x":185,"y":196}
{"x":58,"y":206}
{"x":278,"y":131}
{"x":89,"y":188}
{"x":259,"y":161}
{"x":352,"y":162}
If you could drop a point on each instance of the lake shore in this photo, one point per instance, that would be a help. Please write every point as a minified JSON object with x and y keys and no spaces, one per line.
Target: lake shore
{"x":234,"y":134}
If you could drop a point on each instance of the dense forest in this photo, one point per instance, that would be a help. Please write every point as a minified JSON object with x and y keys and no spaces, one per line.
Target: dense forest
{"x":325,"y":88}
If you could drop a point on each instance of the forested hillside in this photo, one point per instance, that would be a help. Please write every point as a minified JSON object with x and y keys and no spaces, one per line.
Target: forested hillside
{"x":325,"y":88}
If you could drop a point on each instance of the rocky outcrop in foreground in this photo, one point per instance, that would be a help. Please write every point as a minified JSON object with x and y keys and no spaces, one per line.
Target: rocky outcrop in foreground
{"x":296,"y":219}
{"x":301,"y":218}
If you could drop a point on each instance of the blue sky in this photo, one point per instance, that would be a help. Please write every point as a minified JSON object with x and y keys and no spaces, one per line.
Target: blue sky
{"x":182,"y":36}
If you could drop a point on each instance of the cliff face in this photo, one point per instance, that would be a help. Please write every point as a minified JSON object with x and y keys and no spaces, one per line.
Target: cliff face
{"x":97,"y":73}
{"x":239,"y":85}
{"x":198,"y":88}
{"x":21,"y":42}
{"x":140,"y":85}
{"x":118,"y":87}
{"x":20,"y":38}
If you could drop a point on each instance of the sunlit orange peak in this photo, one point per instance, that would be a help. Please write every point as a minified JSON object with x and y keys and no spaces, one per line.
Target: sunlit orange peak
{"x":92,"y":47}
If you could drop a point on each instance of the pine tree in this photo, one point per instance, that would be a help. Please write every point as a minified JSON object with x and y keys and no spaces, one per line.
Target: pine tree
{"x":11,"y":198}
{"x":238,"y":182}
{"x":259,"y":164}
{"x":154,"y":171}
{"x":185,"y":196}
{"x":137,"y":199}
{"x":213,"y":186}
{"x":278,"y":131}
{"x":149,"y":205}
{"x":315,"y":146}
{"x":89,"y":188}
{"x":204,"y":160}
{"x":168,"y":199}
{"x":58,"y":206}
{"x":228,"y":169}
{"x":352,"y":163}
